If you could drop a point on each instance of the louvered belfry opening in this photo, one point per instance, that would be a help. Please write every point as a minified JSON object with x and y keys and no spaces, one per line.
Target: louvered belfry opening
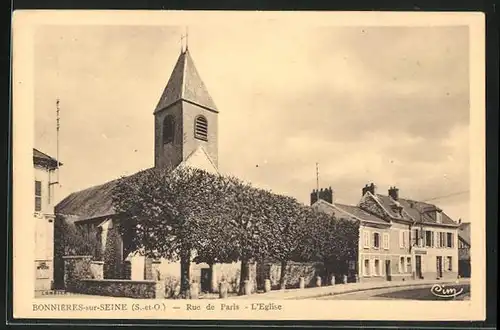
{"x":201,"y":128}
{"x":168,"y":129}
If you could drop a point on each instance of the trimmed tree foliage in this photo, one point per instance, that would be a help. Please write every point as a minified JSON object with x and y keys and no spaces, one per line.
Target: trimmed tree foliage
{"x":288,"y":230}
{"x":184,"y":213}
{"x":167,"y":211}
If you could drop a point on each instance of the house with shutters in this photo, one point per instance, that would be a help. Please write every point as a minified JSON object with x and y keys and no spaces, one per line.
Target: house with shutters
{"x":45,"y":168}
{"x":400,"y":238}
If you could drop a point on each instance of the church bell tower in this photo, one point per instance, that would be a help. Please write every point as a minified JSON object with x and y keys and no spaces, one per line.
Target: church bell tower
{"x":186,"y":118}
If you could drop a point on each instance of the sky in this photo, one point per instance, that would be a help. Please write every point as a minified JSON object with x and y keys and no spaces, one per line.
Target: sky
{"x":388,"y":105}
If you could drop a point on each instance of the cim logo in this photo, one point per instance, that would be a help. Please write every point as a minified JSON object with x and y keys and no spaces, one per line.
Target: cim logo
{"x":442,"y":291}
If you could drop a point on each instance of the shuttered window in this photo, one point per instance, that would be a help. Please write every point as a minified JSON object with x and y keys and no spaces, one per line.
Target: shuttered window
{"x":38,"y":196}
{"x":201,"y":128}
{"x":386,"y":241}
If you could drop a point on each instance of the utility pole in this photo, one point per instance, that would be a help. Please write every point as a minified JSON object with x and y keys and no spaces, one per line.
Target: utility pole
{"x":317,"y":181}
{"x":57,"y":148}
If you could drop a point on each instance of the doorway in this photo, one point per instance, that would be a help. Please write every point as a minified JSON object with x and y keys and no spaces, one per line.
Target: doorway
{"x":439,"y":267}
{"x":388,"y":270}
{"x":206,"y":279}
{"x":418,"y":266}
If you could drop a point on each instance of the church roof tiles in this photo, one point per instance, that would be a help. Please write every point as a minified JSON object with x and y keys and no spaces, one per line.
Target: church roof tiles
{"x":185,"y":84}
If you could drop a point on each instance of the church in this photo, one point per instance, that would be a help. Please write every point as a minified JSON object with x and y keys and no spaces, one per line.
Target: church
{"x":186,"y":134}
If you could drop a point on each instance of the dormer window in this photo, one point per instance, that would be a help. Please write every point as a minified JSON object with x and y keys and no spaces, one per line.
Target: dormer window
{"x":168,"y":129}
{"x":201,"y":128}
{"x":439,"y":217}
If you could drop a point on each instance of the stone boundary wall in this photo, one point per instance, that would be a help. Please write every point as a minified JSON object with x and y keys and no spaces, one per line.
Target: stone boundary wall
{"x":122,"y":288}
{"x":295,"y":270}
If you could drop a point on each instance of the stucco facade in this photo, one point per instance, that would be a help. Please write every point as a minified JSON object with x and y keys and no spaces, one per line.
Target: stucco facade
{"x":43,"y":219}
{"x":399,"y":239}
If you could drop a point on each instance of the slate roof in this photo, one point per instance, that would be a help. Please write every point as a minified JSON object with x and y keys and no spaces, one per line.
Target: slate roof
{"x":97,"y":202}
{"x":464,"y":232}
{"x":413,"y":210}
{"x":40,"y":158}
{"x":349,"y":210}
{"x":90,"y":203}
{"x":359,"y":213}
{"x":185,"y":84}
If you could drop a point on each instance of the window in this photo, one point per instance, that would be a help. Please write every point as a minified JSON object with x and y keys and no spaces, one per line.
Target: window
{"x":201,"y":128}
{"x":408,"y":264}
{"x":376,"y":240}
{"x":449,"y":263}
{"x":439,"y":217}
{"x":449,"y":240}
{"x":401,"y":239}
{"x":414,"y":238}
{"x":386,"y":241}
{"x":366,"y":267}
{"x":377,"y":267}
{"x":419,"y":237}
{"x":442,"y":239}
{"x":401,"y":264}
{"x":38,"y":196}
{"x":428,"y":238}
{"x":406,"y":238}
{"x":168,"y":129}
{"x":366,"y":239}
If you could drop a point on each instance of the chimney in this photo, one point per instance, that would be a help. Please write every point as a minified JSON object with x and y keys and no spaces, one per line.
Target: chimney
{"x":394,"y":193}
{"x":369,"y":188}
{"x":314,"y":196}
{"x":324,"y":194}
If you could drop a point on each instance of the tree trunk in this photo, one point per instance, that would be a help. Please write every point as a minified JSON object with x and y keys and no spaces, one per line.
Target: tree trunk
{"x":244,"y":275}
{"x":185,"y":276}
{"x":213,"y":279}
{"x":284,"y":263}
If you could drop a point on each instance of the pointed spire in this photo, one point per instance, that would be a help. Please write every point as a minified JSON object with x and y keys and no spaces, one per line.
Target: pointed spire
{"x":185,"y":84}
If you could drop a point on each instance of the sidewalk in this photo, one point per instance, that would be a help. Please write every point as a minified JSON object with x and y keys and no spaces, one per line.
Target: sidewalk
{"x":311,"y":293}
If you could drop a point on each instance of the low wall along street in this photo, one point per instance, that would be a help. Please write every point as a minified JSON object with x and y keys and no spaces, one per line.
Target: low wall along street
{"x":122,"y":288}
{"x":294,"y":271}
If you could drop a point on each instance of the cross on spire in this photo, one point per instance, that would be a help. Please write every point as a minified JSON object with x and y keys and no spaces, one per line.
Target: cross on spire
{"x":185,"y":36}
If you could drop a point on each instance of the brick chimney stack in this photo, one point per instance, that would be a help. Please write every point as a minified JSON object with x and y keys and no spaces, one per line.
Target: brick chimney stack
{"x":369,"y":188}
{"x":324,"y":194}
{"x":394,"y":193}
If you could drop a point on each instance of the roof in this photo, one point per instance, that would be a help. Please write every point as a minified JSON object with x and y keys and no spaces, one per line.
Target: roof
{"x":464,"y":232}
{"x":97,"y":202}
{"x":412,"y":210}
{"x":40,"y":158}
{"x":350,"y":210}
{"x":90,"y":203}
{"x":185,"y":84}
{"x":359,"y":213}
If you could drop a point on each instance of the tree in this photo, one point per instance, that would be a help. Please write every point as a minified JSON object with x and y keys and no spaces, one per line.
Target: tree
{"x":346,"y":234}
{"x":243,"y":214}
{"x":164,"y":212}
{"x":288,"y":229}
{"x":319,"y":240}
{"x":71,"y":240}
{"x":330,"y":240}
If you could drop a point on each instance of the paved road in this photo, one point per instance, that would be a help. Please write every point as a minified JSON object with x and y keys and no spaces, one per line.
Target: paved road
{"x":415,"y":293}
